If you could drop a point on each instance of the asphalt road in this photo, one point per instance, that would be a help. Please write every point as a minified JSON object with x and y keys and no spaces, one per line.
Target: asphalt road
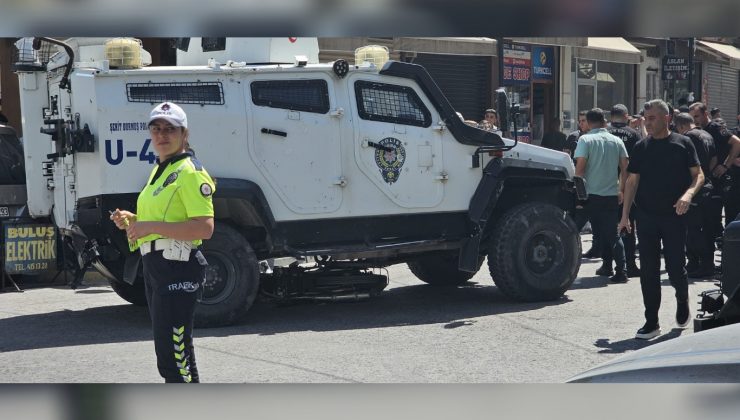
{"x":412,"y":333}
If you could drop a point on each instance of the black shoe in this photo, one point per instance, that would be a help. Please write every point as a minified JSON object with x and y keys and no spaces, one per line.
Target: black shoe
{"x":604,"y":270}
{"x":591,"y":253}
{"x":683,"y":314}
{"x":619,"y":277}
{"x":633,"y":270}
{"x":648,"y":331}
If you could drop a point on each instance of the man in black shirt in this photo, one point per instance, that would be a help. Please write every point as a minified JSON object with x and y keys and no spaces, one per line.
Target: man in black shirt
{"x":664,"y":176}
{"x":572,"y":141}
{"x":700,"y":242}
{"x":554,"y":138}
{"x":724,"y":174}
{"x":620,"y":128}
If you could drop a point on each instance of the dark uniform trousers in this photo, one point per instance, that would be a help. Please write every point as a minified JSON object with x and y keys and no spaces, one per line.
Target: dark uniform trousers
{"x":601,"y":210}
{"x":629,"y":239}
{"x":701,"y":232}
{"x":671,"y":229}
{"x":173,"y":289}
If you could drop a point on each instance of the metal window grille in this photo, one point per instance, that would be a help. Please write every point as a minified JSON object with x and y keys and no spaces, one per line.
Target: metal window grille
{"x":391,"y":103}
{"x":295,"y":95}
{"x":202,"y":93}
{"x":26,"y":58}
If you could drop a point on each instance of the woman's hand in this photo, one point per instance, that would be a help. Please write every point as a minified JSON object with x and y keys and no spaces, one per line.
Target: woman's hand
{"x":137,"y":230}
{"x":122,"y":218}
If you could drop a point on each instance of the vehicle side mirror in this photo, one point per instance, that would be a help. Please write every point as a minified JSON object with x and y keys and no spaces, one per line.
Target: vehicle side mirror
{"x":503,"y":109}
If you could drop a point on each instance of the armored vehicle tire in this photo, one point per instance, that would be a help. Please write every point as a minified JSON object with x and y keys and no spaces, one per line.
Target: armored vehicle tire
{"x":130,"y":293}
{"x":232,"y":278}
{"x":440,"y":269}
{"x":535,"y":251}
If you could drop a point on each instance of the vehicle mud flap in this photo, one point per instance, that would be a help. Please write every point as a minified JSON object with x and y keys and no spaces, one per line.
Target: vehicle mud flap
{"x":469,"y":254}
{"x":131,"y":267}
{"x":481,"y":205}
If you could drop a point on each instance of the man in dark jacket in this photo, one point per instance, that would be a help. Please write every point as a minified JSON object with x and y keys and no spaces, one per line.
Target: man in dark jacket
{"x":554,"y":138}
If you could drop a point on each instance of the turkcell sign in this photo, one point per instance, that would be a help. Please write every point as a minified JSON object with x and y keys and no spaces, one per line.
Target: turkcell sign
{"x":29,"y":248}
{"x":542,"y":63}
{"x":675,"y":68}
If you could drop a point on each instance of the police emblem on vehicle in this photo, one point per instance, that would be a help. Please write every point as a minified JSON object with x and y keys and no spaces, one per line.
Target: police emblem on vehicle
{"x":390,"y":158}
{"x":206,"y":189}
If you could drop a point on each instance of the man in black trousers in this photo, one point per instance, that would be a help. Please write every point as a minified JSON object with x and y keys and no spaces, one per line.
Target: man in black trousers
{"x":620,"y":128}
{"x":700,"y":242}
{"x":664,"y":176}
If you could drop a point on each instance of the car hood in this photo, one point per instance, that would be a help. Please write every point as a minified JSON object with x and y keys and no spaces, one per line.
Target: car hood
{"x":707,"y":356}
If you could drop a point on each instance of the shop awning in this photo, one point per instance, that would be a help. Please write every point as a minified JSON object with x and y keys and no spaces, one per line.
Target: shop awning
{"x":556,"y":41}
{"x":616,"y":50}
{"x":724,"y":51}
{"x":450,"y":45}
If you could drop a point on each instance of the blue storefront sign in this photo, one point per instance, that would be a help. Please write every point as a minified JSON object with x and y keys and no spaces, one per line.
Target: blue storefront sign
{"x":29,"y":248}
{"x":543,"y":61}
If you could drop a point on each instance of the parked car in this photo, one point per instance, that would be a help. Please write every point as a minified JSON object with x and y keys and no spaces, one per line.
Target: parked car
{"x":708,"y":356}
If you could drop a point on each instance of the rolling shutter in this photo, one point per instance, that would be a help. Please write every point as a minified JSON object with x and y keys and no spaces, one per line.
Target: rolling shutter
{"x":464,"y":80}
{"x":722,"y":91}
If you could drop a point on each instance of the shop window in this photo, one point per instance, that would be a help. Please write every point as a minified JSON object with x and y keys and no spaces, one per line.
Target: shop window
{"x":614,"y":84}
{"x":586,"y":69}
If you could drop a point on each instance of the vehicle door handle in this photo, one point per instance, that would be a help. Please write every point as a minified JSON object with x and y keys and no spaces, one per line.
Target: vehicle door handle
{"x":274,"y":132}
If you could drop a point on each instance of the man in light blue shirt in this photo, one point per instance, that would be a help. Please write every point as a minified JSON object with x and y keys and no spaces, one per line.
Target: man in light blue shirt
{"x":599,"y":157}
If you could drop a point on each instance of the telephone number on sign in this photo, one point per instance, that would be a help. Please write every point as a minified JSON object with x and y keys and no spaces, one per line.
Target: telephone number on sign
{"x":35,"y":266}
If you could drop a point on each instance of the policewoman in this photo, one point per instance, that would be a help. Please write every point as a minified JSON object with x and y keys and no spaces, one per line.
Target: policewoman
{"x":174,"y":214}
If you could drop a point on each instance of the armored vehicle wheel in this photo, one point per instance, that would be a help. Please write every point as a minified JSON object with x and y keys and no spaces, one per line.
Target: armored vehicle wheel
{"x":534,"y":254}
{"x":232,"y":278}
{"x":130,"y":293}
{"x":440,"y":269}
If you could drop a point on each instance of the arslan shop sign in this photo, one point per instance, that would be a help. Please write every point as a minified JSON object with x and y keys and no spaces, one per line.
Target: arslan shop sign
{"x":675,"y":68}
{"x":517,"y":67}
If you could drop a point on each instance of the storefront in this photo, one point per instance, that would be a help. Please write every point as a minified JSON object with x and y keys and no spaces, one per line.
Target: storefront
{"x":530,"y":75}
{"x":719,"y":82}
{"x":603,"y":74}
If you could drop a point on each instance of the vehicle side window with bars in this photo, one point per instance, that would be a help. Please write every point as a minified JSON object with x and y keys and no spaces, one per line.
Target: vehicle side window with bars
{"x":391,"y":103}
{"x":201,"y":93}
{"x":294,"y":95}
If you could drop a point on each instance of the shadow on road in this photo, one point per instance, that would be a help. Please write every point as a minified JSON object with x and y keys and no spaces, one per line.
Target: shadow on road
{"x":632,"y":343}
{"x":407,"y":305}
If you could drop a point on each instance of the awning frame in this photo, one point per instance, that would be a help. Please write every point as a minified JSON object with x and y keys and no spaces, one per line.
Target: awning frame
{"x":595,"y":51}
{"x":723,"y":51}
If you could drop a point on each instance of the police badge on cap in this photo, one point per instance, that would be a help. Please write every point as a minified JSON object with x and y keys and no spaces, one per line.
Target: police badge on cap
{"x":206,"y":189}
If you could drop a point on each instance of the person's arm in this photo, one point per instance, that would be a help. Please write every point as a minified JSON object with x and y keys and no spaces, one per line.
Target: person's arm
{"x":697,"y":180}
{"x":630,"y":188}
{"x":721,"y":168}
{"x":581,"y":166}
{"x":190,"y":230}
{"x":623,"y":163}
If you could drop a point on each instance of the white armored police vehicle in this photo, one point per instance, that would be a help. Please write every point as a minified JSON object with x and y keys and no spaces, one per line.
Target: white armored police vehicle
{"x":354,"y":166}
